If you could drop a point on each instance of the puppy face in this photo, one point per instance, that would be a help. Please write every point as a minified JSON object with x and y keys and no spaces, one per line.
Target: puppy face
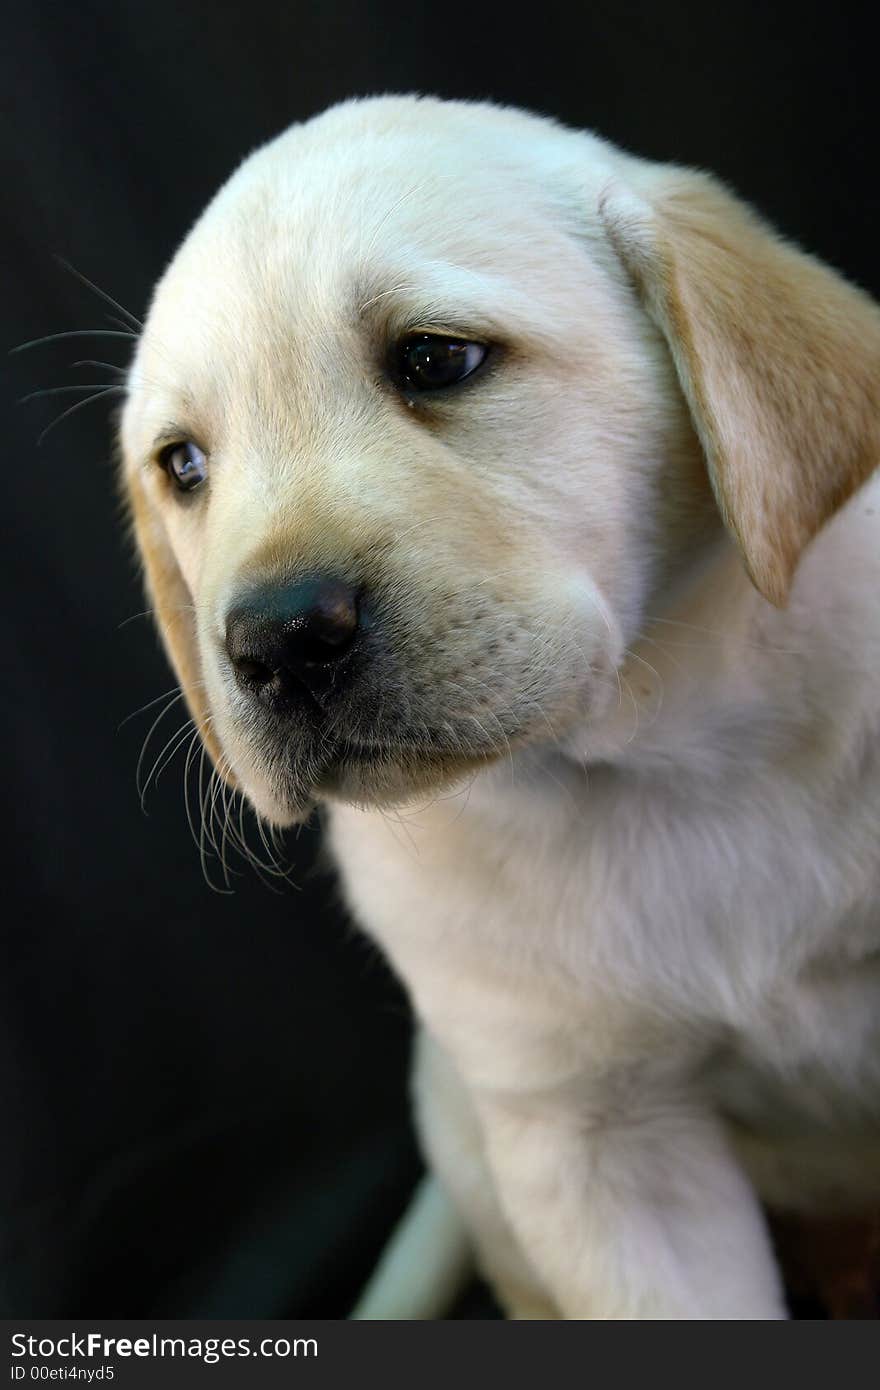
{"x":405,"y":454}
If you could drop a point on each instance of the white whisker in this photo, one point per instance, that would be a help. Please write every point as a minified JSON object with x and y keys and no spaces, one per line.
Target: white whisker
{"x":150,"y":704}
{"x":141,"y":791}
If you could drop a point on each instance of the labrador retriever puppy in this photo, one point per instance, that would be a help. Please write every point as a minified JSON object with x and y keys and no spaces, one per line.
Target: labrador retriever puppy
{"x":509,"y":498}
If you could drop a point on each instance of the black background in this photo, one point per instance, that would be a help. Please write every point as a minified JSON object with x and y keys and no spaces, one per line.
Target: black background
{"x":203,"y":1096}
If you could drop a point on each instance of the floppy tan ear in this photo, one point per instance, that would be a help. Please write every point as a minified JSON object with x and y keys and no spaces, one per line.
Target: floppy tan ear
{"x":173,"y":605}
{"x":777,"y":355}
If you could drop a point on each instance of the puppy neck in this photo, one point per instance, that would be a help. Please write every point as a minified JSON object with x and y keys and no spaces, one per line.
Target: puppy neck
{"x":707,"y":679}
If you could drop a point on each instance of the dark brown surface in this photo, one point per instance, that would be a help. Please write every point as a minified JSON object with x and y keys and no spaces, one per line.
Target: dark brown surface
{"x":831,"y":1264}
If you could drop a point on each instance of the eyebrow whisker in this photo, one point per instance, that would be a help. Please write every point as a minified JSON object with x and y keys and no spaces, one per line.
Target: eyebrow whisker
{"x":92,"y":362}
{"x":120,"y":323}
{"x":395,"y":289}
{"x":96,"y":396}
{"x":108,"y":298}
{"x":74,"y":333}
{"x":78,"y":386}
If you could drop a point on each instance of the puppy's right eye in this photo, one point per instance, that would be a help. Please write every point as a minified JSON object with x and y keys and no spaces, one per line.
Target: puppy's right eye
{"x":185,"y":465}
{"x":429,"y":362}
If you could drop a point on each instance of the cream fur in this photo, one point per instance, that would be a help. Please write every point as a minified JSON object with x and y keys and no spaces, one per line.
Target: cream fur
{"x":639,"y":926}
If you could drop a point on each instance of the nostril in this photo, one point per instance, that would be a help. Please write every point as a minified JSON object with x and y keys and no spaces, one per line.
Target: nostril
{"x":251,"y":651}
{"x":254,"y":672}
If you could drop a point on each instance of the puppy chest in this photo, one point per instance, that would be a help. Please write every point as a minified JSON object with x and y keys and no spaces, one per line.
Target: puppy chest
{"x":809,"y":1057}
{"x":628,"y":943}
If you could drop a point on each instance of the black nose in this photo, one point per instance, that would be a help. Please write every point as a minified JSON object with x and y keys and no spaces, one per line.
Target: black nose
{"x":286,"y":639}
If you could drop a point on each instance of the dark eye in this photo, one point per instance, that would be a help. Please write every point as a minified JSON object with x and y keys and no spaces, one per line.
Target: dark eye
{"x":425,"y":362}
{"x":185,"y":465}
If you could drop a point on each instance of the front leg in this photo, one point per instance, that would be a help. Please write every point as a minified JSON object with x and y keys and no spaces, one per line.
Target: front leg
{"x":638,"y":1216}
{"x":453,"y":1143}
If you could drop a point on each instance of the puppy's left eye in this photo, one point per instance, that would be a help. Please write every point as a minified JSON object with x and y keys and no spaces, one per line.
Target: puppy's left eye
{"x":428,"y":362}
{"x":185,"y":465}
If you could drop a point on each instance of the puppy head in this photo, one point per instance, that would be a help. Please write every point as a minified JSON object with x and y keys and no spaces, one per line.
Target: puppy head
{"x":406,"y":456}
